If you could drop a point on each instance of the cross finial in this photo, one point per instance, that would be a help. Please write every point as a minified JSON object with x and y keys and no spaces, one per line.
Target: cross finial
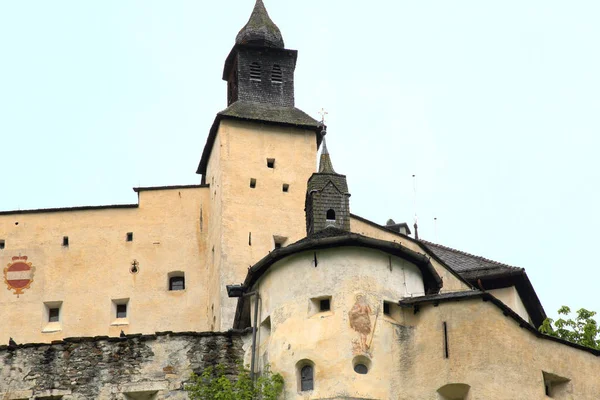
{"x":323,"y":113}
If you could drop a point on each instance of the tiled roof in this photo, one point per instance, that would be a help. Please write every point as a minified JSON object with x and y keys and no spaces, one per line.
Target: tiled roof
{"x":468,"y":265}
{"x":270,"y":113}
{"x":260,"y":29}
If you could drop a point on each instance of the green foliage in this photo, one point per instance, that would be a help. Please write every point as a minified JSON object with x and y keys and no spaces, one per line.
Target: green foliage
{"x":213,"y":384}
{"x":582,"y":330}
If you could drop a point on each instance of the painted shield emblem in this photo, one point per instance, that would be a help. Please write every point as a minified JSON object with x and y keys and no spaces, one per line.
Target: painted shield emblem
{"x":18,"y":275}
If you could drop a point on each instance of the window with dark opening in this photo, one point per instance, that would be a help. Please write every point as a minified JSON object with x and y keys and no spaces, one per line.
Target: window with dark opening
{"x":121,"y":310}
{"x":130,"y":236}
{"x":177,"y":283}
{"x":325,"y":305}
{"x":271,"y":162}
{"x":252,"y":183}
{"x":277,"y":245}
{"x":255,"y":72}
{"x":65,"y":241}
{"x":386,"y":308}
{"x":276,"y":74}
{"x":330,"y":215}
{"x":53,"y":314}
{"x":361,"y":369}
{"x":306,"y":378}
{"x":285,"y":187}
{"x":2,"y":244}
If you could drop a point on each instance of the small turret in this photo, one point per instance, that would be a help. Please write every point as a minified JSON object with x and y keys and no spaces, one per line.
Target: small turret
{"x":260,"y":29}
{"x":327,"y":197}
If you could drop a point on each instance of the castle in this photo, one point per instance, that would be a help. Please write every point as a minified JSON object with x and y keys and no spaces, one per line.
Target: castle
{"x":263,"y":261}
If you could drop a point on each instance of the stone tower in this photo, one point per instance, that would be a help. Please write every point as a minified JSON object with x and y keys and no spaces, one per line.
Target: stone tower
{"x":259,"y":154}
{"x":327,"y":198}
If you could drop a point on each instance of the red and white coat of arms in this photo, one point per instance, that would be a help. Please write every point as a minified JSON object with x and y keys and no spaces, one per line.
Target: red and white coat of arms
{"x":18,"y":275}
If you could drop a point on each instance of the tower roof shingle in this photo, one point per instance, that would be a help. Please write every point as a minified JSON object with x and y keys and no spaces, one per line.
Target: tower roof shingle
{"x":260,"y":29}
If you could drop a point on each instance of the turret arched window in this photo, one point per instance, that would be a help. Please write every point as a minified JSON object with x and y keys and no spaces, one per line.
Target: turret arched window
{"x":306,"y":378}
{"x":255,"y":72}
{"x":276,"y":74}
{"x":330,"y":215}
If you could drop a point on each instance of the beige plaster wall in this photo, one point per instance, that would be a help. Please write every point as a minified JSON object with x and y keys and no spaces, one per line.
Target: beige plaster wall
{"x":95,"y":267}
{"x":487,"y":350}
{"x":299,"y":332}
{"x":451,"y":282}
{"x":511,"y":298}
{"x":239,"y":154}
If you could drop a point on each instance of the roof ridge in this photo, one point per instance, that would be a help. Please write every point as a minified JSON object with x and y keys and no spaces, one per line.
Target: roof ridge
{"x":428,"y":243}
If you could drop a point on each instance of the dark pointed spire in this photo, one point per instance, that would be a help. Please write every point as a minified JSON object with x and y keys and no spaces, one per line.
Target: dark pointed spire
{"x":325,"y":165}
{"x":260,"y":29}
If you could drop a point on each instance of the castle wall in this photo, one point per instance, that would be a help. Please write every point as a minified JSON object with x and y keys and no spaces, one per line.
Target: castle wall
{"x":451,"y":282}
{"x":85,"y":277}
{"x":405,"y":351}
{"x":252,"y":217}
{"x":294,"y":332}
{"x":141,"y":367}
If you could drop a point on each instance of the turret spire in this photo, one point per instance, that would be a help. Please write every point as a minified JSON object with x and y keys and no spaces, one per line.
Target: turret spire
{"x":325,"y":165}
{"x":260,"y":29}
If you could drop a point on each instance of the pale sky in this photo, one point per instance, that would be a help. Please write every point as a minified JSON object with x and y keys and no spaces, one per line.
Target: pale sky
{"x":493,"y":105}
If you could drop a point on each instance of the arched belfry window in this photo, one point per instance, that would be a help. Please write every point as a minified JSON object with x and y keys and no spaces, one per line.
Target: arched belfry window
{"x":330,"y":215}
{"x":276,"y":74}
{"x":307,"y":380}
{"x":255,"y":72}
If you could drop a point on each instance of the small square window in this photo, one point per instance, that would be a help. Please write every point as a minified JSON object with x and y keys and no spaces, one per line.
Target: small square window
{"x":271,"y":162}
{"x":386,"y":308}
{"x":286,"y":187}
{"x":53,"y":314}
{"x":252,"y":183}
{"x":130,"y":236}
{"x":121,"y":310}
{"x":2,"y":244}
{"x":277,"y":245}
{"x":177,"y":283}
{"x":65,"y":241}
{"x":325,"y":305}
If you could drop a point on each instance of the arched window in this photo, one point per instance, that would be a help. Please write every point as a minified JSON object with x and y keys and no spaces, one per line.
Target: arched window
{"x":255,"y":72}
{"x":177,"y":282}
{"x":306,"y":378}
{"x":330,"y":215}
{"x":276,"y":74}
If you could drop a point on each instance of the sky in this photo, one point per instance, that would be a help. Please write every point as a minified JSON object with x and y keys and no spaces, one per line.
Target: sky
{"x":493,"y":106}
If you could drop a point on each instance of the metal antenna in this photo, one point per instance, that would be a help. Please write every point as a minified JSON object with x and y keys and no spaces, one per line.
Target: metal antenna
{"x":435,"y":230}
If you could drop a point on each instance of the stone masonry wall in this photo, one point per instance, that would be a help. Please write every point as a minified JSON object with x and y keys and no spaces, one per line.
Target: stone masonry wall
{"x":135,"y":367}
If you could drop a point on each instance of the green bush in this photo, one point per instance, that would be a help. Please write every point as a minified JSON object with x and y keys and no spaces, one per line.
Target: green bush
{"x":213,"y":384}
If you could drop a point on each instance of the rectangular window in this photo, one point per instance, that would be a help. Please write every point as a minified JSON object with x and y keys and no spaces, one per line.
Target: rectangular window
{"x":386,"y":308}
{"x":252,"y":183}
{"x":121,"y":310}
{"x":285,"y":188}
{"x":270,"y":162}
{"x":325,"y":305}
{"x":53,"y":314}
{"x":65,"y":241}
{"x":177,"y":283}
{"x":2,"y":244}
{"x":130,"y":236}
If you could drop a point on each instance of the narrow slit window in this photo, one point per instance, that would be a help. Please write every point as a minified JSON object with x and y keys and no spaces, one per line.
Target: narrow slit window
{"x":2,"y":244}
{"x":130,"y":236}
{"x":255,"y":72}
{"x":177,"y":283}
{"x":65,"y":241}
{"x":285,"y":188}
{"x":53,"y":314}
{"x":307,"y":378}
{"x":252,"y":183}
{"x":121,"y":310}
{"x":270,"y":162}
{"x":276,"y":74}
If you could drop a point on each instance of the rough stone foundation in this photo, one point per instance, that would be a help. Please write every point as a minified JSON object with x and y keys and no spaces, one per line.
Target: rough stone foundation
{"x":136,"y":367}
